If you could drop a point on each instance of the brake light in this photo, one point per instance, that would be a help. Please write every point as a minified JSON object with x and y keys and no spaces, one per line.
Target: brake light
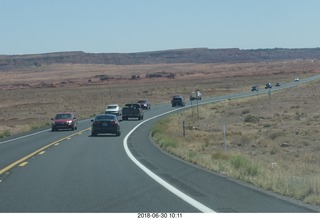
{"x":115,"y":122}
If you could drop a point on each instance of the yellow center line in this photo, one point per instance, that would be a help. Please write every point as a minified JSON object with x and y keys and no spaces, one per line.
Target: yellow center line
{"x":36,"y":152}
{"x":23,"y":164}
{"x":42,"y":152}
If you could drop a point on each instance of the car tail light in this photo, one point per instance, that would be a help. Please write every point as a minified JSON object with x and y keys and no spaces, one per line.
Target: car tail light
{"x":114,"y":122}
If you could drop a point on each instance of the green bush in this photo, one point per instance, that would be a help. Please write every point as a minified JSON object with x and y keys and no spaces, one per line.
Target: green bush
{"x":5,"y":133}
{"x":244,"y":166}
{"x":252,"y":119}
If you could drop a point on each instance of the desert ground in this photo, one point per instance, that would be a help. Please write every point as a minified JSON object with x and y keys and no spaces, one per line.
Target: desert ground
{"x":274,"y":136}
{"x":30,"y":97}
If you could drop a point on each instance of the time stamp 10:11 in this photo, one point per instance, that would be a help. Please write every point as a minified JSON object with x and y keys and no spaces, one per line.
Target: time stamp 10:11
{"x":159,"y":215}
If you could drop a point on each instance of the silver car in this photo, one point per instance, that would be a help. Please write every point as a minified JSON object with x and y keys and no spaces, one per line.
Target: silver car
{"x":113,"y":109}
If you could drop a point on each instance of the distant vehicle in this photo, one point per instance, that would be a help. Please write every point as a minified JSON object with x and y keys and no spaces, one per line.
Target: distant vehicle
{"x":278,"y":84}
{"x":145,"y":104}
{"x":64,"y":120}
{"x":132,"y":110}
{"x":268,"y":86}
{"x":105,"y":123}
{"x":296,"y":79}
{"x":177,"y":101}
{"x":195,"y":95}
{"x":255,"y":88}
{"x":113,"y":109}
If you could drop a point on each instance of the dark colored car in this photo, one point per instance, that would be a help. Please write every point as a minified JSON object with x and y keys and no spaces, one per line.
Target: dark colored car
{"x":105,"y":123}
{"x":178,"y":101}
{"x":277,"y":84}
{"x":145,"y":104}
{"x":255,"y":88}
{"x":268,"y":86}
{"x":64,"y":120}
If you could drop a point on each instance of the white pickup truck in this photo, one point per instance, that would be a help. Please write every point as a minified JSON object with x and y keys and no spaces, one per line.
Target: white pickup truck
{"x":195,"y":95}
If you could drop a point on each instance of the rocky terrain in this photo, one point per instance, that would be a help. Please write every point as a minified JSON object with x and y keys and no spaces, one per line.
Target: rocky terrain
{"x":196,"y":55}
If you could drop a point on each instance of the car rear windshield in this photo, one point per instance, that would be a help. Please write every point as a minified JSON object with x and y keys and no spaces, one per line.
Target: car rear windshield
{"x":105,"y":117}
{"x":112,"y":107}
{"x":63,"y":116}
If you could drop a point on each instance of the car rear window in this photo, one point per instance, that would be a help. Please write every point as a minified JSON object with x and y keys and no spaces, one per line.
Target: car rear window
{"x":105,"y":117}
{"x":63,"y":116}
{"x":112,"y":107}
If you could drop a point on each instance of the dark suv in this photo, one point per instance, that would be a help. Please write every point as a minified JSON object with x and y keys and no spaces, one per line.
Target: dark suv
{"x":65,"y":120}
{"x":177,"y":101}
{"x":255,"y":88}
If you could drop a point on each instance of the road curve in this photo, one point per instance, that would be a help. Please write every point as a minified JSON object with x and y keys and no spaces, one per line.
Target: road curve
{"x":219,"y":193}
{"x":70,"y":171}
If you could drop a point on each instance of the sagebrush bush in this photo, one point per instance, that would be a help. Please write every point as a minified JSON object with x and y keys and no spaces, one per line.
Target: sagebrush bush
{"x":251,"y":118}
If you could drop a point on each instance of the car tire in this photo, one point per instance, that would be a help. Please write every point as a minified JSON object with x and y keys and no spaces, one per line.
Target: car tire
{"x":93,"y":134}
{"x":118,"y":133}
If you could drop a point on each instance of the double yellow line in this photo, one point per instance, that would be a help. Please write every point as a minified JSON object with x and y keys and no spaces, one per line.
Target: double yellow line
{"x":38,"y":151}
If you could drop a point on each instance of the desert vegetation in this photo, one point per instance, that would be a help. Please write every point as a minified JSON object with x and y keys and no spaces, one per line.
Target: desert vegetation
{"x":271,"y":142}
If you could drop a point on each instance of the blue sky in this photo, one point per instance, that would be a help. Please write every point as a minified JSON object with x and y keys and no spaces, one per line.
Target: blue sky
{"x":126,"y":26}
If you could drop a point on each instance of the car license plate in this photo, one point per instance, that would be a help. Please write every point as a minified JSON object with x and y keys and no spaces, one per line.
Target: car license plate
{"x":105,"y":124}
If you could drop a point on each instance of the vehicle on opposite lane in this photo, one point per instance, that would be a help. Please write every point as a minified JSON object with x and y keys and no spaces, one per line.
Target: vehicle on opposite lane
{"x":255,"y":88}
{"x":105,"y":123}
{"x":64,"y":120}
{"x":195,"y":95}
{"x":268,"y":86}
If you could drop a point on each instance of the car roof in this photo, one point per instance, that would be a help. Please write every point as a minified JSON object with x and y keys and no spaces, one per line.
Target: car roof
{"x":113,"y":104}
{"x":64,"y":113}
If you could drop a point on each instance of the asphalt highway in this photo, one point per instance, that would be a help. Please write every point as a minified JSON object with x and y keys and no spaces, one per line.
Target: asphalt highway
{"x":71,"y":171}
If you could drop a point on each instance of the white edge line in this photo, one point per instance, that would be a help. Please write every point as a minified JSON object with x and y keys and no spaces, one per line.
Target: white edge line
{"x":24,"y":136}
{"x":168,"y":186}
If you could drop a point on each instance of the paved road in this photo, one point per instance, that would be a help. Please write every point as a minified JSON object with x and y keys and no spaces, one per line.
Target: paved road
{"x":70,"y":171}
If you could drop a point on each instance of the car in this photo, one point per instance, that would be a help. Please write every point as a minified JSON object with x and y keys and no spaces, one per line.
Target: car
{"x":177,"y":100}
{"x":255,"y":88}
{"x":277,"y":84}
{"x":64,"y":120}
{"x":104,"y":124}
{"x":296,"y":79}
{"x":113,"y":109}
{"x":268,"y":86}
{"x":145,"y":104}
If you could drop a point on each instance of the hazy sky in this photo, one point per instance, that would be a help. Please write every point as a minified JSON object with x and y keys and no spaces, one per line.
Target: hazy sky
{"x":125,"y":26}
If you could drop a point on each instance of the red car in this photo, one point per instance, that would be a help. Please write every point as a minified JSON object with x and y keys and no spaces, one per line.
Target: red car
{"x":64,"y":120}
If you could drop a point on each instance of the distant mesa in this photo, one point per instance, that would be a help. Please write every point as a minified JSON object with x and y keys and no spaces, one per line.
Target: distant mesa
{"x":195,"y":55}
